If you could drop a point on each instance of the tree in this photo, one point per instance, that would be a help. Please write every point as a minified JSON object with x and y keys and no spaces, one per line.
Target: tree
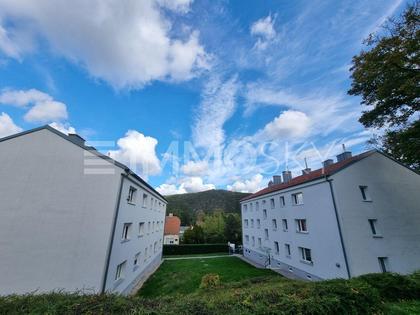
{"x":387,"y":78}
{"x":194,"y":235}
{"x":233,"y":228}
{"x":214,"y":227}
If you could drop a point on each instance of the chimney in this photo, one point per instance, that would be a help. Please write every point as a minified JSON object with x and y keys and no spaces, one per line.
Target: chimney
{"x":343,"y":156}
{"x":327,"y":162}
{"x":276,"y":179}
{"x":287,"y":176}
{"x":270,"y":183}
{"x":307,"y":170}
{"x":76,"y":139}
{"x":171,"y":214}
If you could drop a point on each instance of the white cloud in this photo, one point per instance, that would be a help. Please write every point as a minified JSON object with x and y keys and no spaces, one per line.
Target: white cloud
{"x":217,"y":106}
{"x":193,"y":168}
{"x":248,"y":186}
{"x":63,"y":127}
{"x":43,"y":108}
{"x":7,"y":126}
{"x":288,"y":125}
{"x":8,"y":47}
{"x":125,"y":43}
{"x":187,"y":185}
{"x":264,"y":30}
{"x":138,"y":152}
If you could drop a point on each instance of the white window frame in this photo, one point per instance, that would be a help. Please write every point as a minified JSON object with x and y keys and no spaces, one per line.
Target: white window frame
{"x":383,"y":264}
{"x":306,"y":253}
{"x":301,"y":226}
{"x":296,"y":201}
{"x":285,"y":225}
{"x":265,"y":214}
{"x":282,"y":202}
{"x":276,"y":248}
{"x":257,"y":206}
{"x":266,"y":235}
{"x":132,"y":193}
{"x":126,"y":232}
{"x":287,"y":249}
{"x":274,"y":224}
{"x":145,"y":199}
{"x":246,"y":223}
{"x":258,"y":223}
{"x":373,"y":223}
{"x":136,"y":260}
{"x":364,"y":190}
{"x":272,"y":203}
{"x":120,"y":272}
{"x":142,"y":227}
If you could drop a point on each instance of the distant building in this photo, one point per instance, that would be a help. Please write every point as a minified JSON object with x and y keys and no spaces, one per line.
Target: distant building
{"x":182,"y":231}
{"x":172,"y":228}
{"x":356,"y":216}
{"x":72,"y":218}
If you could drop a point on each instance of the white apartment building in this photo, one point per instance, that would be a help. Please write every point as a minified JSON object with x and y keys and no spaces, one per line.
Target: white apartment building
{"x":72,"y":218}
{"x":356,"y":216}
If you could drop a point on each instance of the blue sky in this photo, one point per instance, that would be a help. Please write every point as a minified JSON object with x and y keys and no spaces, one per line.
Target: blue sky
{"x":193,"y":95}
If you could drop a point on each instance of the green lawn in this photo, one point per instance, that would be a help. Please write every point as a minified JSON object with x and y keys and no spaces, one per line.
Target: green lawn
{"x":403,"y":308}
{"x":184,"y":276}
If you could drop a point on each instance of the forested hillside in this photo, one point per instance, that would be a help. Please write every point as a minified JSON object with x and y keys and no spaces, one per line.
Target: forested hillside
{"x":189,"y":206}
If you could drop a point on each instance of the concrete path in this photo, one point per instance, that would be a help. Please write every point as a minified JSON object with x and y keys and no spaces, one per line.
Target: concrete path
{"x":198,"y":257}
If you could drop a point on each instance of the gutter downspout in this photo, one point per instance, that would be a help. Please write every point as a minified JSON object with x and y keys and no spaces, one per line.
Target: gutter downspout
{"x":111,"y":241}
{"x":339,"y":226}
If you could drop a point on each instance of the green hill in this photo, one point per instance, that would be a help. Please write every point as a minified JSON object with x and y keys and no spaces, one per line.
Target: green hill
{"x":186,"y":206}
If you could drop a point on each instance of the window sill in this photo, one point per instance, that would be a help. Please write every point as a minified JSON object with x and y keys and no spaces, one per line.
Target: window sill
{"x":377,"y":236}
{"x":125,"y":240}
{"x":298,"y":204}
{"x":131,"y":203}
{"x":307,"y":262}
{"x":302,"y":232}
{"x":367,"y":200}
{"x":274,"y":229}
{"x":288,"y":256}
{"x":285,"y":230}
{"x":140,"y":236}
{"x":118,"y":282}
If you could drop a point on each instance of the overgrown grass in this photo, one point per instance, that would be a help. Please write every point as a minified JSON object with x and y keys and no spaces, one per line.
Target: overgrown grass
{"x":260,"y":295}
{"x":175,"y":277}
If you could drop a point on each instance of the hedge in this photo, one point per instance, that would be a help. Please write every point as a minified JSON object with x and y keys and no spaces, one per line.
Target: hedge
{"x":187,"y":249}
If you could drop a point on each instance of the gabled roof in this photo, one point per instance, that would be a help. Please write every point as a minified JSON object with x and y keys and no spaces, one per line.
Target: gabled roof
{"x":172,"y":225}
{"x":85,"y":147}
{"x":313,"y":175}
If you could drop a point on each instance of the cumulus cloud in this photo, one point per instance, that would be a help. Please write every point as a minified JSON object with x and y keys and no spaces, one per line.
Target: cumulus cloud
{"x":7,"y":126}
{"x":195,"y":168}
{"x":217,"y":106}
{"x":264,"y":30}
{"x":125,"y":43}
{"x":63,"y":127}
{"x":138,"y":152}
{"x":187,"y":185}
{"x":42,"y":107}
{"x":288,"y":125}
{"x":247,"y":186}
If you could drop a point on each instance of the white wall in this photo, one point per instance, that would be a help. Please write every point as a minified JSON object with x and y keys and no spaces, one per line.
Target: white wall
{"x":125,"y":250}
{"x":395,"y":194}
{"x":171,"y":240}
{"x":322,"y":237}
{"x":55,"y":221}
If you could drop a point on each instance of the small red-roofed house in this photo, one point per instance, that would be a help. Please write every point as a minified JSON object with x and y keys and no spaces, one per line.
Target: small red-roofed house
{"x":172,"y":228}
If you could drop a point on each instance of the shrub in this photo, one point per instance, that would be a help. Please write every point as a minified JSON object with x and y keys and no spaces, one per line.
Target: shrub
{"x":392,"y":286}
{"x":210,"y":280}
{"x":188,"y":249}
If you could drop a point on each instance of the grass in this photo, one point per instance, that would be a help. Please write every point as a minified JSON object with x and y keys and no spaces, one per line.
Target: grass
{"x":402,"y":308}
{"x":175,"y":277}
{"x":196,"y":255}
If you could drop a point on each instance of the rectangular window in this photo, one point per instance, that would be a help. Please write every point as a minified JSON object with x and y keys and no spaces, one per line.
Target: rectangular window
{"x":383,"y":262}
{"x":258,"y":223}
{"x":132,"y":192}
{"x":119,"y":274}
{"x":246,"y":223}
{"x":144,"y":200}
{"x":266,"y":234}
{"x":141,"y":228}
{"x":306,"y":254}
{"x":253,"y":241}
{"x":137,"y":259}
{"x":365,"y":193}
{"x":245,"y":207}
{"x":265,"y":214}
{"x":284,"y":222}
{"x":153,"y":227}
{"x":287,"y":249}
{"x":126,"y":231}
{"x":246,"y":239}
{"x":297,"y":199}
{"x":250,"y":206}
{"x":373,"y":226}
{"x":148,"y":227}
{"x":155,"y":246}
{"x":259,"y":242}
{"x":257,"y":206}
{"x":145,"y":253}
{"x":276,"y":248}
{"x":272,"y":204}
{"x":274,"y":224}
{"x":282,"y":201}
{"x":252,"y":223}
{"x":301,"y":225}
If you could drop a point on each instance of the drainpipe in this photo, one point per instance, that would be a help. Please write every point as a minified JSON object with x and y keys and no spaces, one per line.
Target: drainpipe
{"x":339,"y":226}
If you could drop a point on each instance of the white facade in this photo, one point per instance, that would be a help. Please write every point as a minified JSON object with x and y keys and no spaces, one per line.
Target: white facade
{"x":62,"y":215}
{"x":333,"y":230}
{"x":171,"y":240}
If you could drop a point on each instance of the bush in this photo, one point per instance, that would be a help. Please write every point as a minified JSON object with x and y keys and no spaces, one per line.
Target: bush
{"x":210,"y":280}
{"x":392,"y":286}
{"x":188,"y":249}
